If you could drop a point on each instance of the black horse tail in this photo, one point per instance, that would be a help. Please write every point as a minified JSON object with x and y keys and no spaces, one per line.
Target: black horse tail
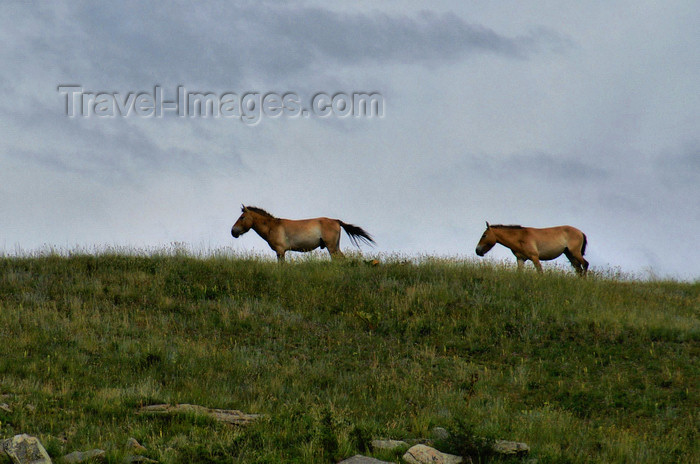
{"x":585,"y":242}
{"x":356,"y":233}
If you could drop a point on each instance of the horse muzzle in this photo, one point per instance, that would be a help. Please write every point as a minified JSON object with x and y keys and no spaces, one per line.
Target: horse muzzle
{"x":235,"y":233}
{"x":480,"y":252}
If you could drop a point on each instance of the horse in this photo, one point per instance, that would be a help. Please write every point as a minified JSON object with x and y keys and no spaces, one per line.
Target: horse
{"x":297,"y":235}
{"x":537,"y":244}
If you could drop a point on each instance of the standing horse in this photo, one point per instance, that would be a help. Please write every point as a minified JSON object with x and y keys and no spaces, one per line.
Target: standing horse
{"x":537,"y":244}
{"x":297,"y":235}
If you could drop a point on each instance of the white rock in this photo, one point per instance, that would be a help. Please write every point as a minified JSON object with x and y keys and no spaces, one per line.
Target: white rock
{"x":440,"y":433}
{"x":25,"y":449}
{"x":359,"y":459}
{"x":77,"y":457}
{"x":421,"y":454}
{"x":510,"y":447}
{"x":229,"y":416}
{"x":135,"y":445}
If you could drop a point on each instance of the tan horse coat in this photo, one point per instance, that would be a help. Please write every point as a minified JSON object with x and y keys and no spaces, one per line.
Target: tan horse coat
{"x":529,"y":243}
{"x":297,"y":235}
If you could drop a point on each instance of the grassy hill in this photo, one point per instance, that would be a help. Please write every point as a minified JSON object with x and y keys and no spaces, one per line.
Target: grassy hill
{"x":337,"y":353}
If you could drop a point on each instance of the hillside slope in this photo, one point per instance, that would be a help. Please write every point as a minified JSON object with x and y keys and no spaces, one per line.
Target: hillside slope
{"x":335,"y":354}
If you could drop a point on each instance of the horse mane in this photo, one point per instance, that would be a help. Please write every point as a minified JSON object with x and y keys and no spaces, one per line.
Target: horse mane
{"x":506,"y":226}
{"x":260,"y":211}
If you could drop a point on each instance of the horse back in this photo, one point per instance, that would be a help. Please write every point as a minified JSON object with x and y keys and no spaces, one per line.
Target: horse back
{"x":553,"y":240}
{"x":313,"y":227}
{"x":568,"y":231}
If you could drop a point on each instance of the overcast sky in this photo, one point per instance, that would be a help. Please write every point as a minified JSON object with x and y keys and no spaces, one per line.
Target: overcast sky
{"x":538,"y":113}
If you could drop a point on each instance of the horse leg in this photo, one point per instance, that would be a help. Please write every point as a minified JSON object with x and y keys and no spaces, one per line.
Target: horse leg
{"x":337,"y":254}
{"x":521,"y":263}
{"x":574,"y":261}
{"x":536,"y":261}
{"x":583,"y":264}
{"x":280,"y":256}
{"x":332,"y":241}
{"x":334,"y":250}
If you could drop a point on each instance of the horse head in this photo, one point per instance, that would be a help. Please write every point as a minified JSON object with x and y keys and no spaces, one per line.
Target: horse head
{"x":243,"y":224}
{"x":487,"y":241}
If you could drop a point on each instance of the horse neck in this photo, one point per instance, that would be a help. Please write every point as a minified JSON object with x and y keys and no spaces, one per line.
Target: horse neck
{"x":263,"y":225}
{"x":508,"y":237}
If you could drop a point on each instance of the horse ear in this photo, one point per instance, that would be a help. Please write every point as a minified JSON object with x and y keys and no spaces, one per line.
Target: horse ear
{"x":242,"y":207}
{"x":487,"y":224}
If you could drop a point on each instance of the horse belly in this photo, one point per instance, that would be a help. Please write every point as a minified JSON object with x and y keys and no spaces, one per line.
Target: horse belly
{"x":548,"y":252}
{"x":307,"y":241}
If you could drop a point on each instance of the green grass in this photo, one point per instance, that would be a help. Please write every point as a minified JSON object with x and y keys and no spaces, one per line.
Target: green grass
{"x":334,"y":354}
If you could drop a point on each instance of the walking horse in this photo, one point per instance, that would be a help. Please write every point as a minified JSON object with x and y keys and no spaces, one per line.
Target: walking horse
{"x":537,"y":244}
{"x":297,"y":235}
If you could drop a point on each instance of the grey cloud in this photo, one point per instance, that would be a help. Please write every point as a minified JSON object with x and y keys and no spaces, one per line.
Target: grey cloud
{"x":544,"y":166}
{"x":680,"y":168}
{"x":214,"y":44}
{"x":425,"y":38}
{"x":115,"y":151}
{"x":553,"y":167}
{"x":619,"y":203}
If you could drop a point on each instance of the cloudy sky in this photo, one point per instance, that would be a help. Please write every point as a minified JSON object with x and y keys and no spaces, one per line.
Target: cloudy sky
{"x":539,"y":113}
